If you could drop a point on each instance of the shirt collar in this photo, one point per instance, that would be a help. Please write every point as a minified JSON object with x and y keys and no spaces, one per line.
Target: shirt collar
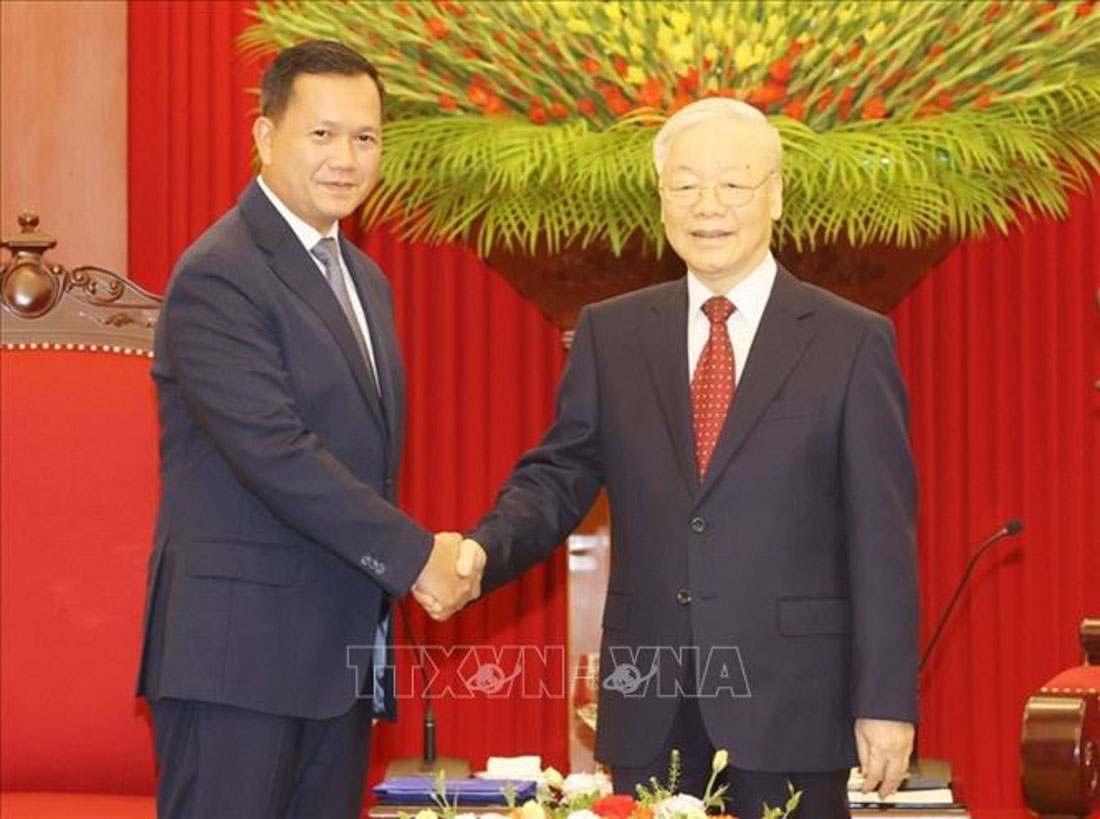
{"x":749,"y":296}
{"x":306,"y":233}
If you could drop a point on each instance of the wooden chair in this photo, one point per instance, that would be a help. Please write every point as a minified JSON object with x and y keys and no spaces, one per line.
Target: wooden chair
{"x":80,"y":485}
{"x":1060,"y":742}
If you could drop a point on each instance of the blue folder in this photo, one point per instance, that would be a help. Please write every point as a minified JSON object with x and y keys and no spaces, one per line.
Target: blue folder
{"x":422,"y":790}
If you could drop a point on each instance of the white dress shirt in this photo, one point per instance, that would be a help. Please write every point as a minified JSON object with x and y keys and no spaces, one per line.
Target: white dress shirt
{"x":749,"y":296}
{"x":309,"y":237}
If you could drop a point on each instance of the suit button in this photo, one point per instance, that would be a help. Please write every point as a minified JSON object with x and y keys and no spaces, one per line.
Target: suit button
{"x":683,"y":597}
{"x":698,"y":525}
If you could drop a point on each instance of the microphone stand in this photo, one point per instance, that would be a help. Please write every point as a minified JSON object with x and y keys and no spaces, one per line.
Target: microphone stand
{"x":429,"y":764}
{"x":926,"y":773}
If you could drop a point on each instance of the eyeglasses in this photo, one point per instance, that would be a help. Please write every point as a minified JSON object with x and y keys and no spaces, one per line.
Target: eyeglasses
{"x":728,"y":195}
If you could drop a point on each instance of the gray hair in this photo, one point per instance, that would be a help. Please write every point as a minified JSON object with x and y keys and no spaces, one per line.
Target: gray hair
{"x":700,"y":111}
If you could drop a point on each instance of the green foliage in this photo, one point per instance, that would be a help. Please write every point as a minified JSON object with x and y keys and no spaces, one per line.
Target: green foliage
{"x":527,"y":124}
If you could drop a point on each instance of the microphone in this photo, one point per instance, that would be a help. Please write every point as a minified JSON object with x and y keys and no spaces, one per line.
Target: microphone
{"x":429,"y":763}
{"x":925,"y":773}
{"x":1010,"y":529}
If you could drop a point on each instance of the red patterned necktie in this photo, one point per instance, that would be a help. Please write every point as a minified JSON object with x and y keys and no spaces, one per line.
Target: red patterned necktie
{"x":713,"y":383}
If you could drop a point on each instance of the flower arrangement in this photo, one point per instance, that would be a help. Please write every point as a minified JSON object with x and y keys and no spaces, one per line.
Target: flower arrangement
{"x":589,"y":796}
{"x":527,"y":124}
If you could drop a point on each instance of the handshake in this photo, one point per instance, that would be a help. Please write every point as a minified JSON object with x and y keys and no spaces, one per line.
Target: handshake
{"x":452,"y":576}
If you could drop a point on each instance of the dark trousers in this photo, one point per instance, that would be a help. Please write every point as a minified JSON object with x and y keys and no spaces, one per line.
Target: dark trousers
{"x":824,"y":795}
{"x":217,"y":761}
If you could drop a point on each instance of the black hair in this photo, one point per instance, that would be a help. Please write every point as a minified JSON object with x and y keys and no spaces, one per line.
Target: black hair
{"x":311,"y":57}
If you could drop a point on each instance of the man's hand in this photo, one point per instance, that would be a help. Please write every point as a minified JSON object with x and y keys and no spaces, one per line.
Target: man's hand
{"x":452,"y":576}
{"x":884,"y":747}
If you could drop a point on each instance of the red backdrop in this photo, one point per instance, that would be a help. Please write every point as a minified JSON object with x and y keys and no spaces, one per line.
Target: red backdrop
{"x":1000,"y":346}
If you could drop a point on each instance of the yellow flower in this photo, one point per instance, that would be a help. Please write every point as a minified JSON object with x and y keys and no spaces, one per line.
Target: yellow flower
{"x":680,"y":20}
{"x":711,"y":52}
{"x":532,"y":810}
{"x":635,"y":75}
{"x":613,"y":11}
{"x":632,"y":33}
{"x":579,"y":26}
{"x":553,"y":777}
{"x":721,"y":760}
{"x":681,"y":54}
{"x":426,"y":814}
{"x":746,"y":56}
{"x":874,"y":32}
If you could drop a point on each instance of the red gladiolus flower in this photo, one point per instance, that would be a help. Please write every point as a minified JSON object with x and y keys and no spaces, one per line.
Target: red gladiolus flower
{"x":844,"y":102}
{"x":1045,"y":10}
{"x":874,"y":108}
{"x":478,"y":94}
{"x":936,"y":50}
{"x":1013,"y":62}
{"x":993,"y":12}
{"x":651,"y":93}
{"x":469,"y":53}
{"x":447,"y":103}
{"x":620,"y":64}
{"x":1085,"y":9}
{"x":537,"y":115}
{"x":681,"y":99}
{"x":689,"y":81}
{"x":450,"y":7}
{"x":500,"y":37}
{"x":616,"y":806}
{"x":764,"y":95}
{"x":495,"y":105}
{"x":796,"y":109}
{"x":854,"y":52}
{"x":590,"y":66}
{"x":403,"y":9}
{"x":945,"y":101}
{"x":984,"y":100}
{"x":553,"y":49}
{"x":558,"y":111}
{"x":619,"y":105}
{"x":826,"y":98}
{"x":437,"y":28}
{"x":586,"y":107}
{"x":780,"y":70}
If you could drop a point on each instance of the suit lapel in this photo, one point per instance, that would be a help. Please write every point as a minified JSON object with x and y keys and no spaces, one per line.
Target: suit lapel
{"x":383,"y":336}
{"x":785,"y":330}
{"x":665,"y":343}
{"x":293,"y":265}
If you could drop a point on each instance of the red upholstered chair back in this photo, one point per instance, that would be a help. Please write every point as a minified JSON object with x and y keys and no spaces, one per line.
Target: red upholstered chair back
{"x":79,"y":490}
{"x":78,"y":494}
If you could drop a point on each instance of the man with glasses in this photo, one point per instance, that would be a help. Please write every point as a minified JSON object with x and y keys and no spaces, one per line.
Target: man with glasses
{"x":751,"y":432}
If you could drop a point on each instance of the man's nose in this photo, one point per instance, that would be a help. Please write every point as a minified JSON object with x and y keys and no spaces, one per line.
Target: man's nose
{"x":708,"y":201}
{"x":343,"y":154}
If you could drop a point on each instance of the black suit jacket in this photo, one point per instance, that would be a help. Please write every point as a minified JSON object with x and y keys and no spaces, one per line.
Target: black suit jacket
{"x":791,"y":567}
{"x":278,"y":543}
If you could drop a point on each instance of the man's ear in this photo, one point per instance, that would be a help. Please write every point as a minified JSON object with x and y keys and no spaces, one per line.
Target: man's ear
{"x":776,"y":198}
{"x":263,"y":133}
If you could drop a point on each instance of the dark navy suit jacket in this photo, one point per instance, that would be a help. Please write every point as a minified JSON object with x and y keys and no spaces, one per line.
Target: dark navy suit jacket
{"x":791,"y":567}
{"x":278,"y":545}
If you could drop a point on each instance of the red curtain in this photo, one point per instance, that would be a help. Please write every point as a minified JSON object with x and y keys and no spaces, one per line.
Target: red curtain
{"x":482,"y":363}
{"x":999,"y":345}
